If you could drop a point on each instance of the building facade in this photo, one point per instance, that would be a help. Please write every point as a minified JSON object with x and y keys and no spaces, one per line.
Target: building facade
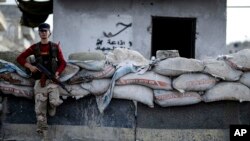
{"x":196,"y":28}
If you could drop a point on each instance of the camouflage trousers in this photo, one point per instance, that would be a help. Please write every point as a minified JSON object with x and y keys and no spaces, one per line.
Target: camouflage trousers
{"x":45,"y":97}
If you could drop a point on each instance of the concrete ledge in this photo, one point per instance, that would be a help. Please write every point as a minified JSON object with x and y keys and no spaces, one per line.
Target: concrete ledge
{"x":68,"y":133}
{"x":144,"y":134}
{"x":86,"y":133}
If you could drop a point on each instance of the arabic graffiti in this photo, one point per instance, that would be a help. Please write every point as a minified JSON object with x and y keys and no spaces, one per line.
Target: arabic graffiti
{"x":109,"y":35}
{"x":110,"y":42}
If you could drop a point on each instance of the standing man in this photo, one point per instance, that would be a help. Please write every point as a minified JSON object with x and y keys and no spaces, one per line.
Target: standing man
{"x":50,"y":56}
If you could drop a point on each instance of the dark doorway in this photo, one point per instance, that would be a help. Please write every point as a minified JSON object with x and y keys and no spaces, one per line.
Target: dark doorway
{"x":171,"y":33}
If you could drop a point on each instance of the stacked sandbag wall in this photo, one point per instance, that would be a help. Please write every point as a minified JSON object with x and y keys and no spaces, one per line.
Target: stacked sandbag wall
{"x":172,"y":95}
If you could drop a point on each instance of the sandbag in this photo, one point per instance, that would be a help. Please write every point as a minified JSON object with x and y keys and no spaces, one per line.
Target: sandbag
{"x":177,"y":66}
{"x":245,"y":79}
{"x":221,"y":69}
{"x":83,"y":56}
{"x":10,"y":56}
{"x":19,"y":91}
{"x":193,"y":82}
{"x":227,"y":91}
{"x":10,"y":67}
{"x":149,"y":79}
{"x":97,"y":86}
{"x":69,"y":71}
{"x":95,"y":65}
{"x":239,"y":60}
{"x":14,"y":78}
{"x":87,"y":75}
{"x":75,"y":90}
{"x":124,"y":55}
{"x":174,"y":98}
{"x":135,"y":92}
{"x":103,"y":101}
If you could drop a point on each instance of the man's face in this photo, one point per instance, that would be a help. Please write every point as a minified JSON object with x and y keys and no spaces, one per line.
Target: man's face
{"x":44,"y":33}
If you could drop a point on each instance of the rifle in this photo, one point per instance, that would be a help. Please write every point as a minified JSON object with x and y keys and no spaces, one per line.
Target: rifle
{"x":51,"y":76}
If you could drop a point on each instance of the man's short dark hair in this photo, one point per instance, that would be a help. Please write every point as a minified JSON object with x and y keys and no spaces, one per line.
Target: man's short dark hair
{"x":44,"y":26}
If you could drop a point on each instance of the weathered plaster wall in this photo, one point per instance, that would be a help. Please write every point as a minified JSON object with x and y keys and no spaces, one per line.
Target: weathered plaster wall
{"x":79,"y":24}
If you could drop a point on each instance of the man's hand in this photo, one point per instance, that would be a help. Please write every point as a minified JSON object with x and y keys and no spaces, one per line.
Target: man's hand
{"x":31,"y":67}
{"x":57,"y":75}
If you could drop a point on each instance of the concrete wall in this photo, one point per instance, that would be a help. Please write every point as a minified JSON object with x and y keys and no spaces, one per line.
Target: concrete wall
{"x":79,"y":24}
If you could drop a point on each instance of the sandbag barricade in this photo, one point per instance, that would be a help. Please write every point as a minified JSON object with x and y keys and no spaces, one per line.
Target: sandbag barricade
{"x":167,"y":82}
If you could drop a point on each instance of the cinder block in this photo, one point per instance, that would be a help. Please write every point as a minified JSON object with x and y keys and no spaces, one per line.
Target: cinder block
{"x":164,"y":54}
{"x":3,"y":24}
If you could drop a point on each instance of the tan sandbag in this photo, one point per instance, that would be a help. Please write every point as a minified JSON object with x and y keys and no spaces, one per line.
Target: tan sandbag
{"x":83,"y":56}
{"x":245,"y":79}
{"x":193,"y":82}
{"x":220,"y":69}
{"x":135,"y":92}
{"x":149,"y":79}
{"x":97,"y":86}
{"x":124,"y":55}
{"x":95,"y":65}
{"x":177,"y":66}
{"x":174,"y":98}
{"x":19,"y":91}
{"x":227,"y":91}
{"x":87,"y":75}
{"x":69,"y":71}
{"x":15,"y":79}
{"x":239,"y":60}
{"x":75,"y":91}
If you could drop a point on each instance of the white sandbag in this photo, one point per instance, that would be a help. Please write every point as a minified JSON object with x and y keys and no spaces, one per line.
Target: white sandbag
{"x":75,"y":90}
{"x":245,"y":79}
{"x":124,"y":55}
{"x":220,"y":69}
{"x":135,"y":92}
{"x":87,"y":75}
{"x":149,"y":79}
{"x":193,"y":82}
{"x":103,"y":101}
{"x":16,"y":79}
{"x":69,"y":71}
{"x":83,"y":56}
{"x":19,"y":91}
{"x":95,"y":65}
{"x":239,"y":60}
{"x":177,"y":66}
{"x":97,"y":86}
{"x":227,"y":91}
{"x":174,"y":98}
